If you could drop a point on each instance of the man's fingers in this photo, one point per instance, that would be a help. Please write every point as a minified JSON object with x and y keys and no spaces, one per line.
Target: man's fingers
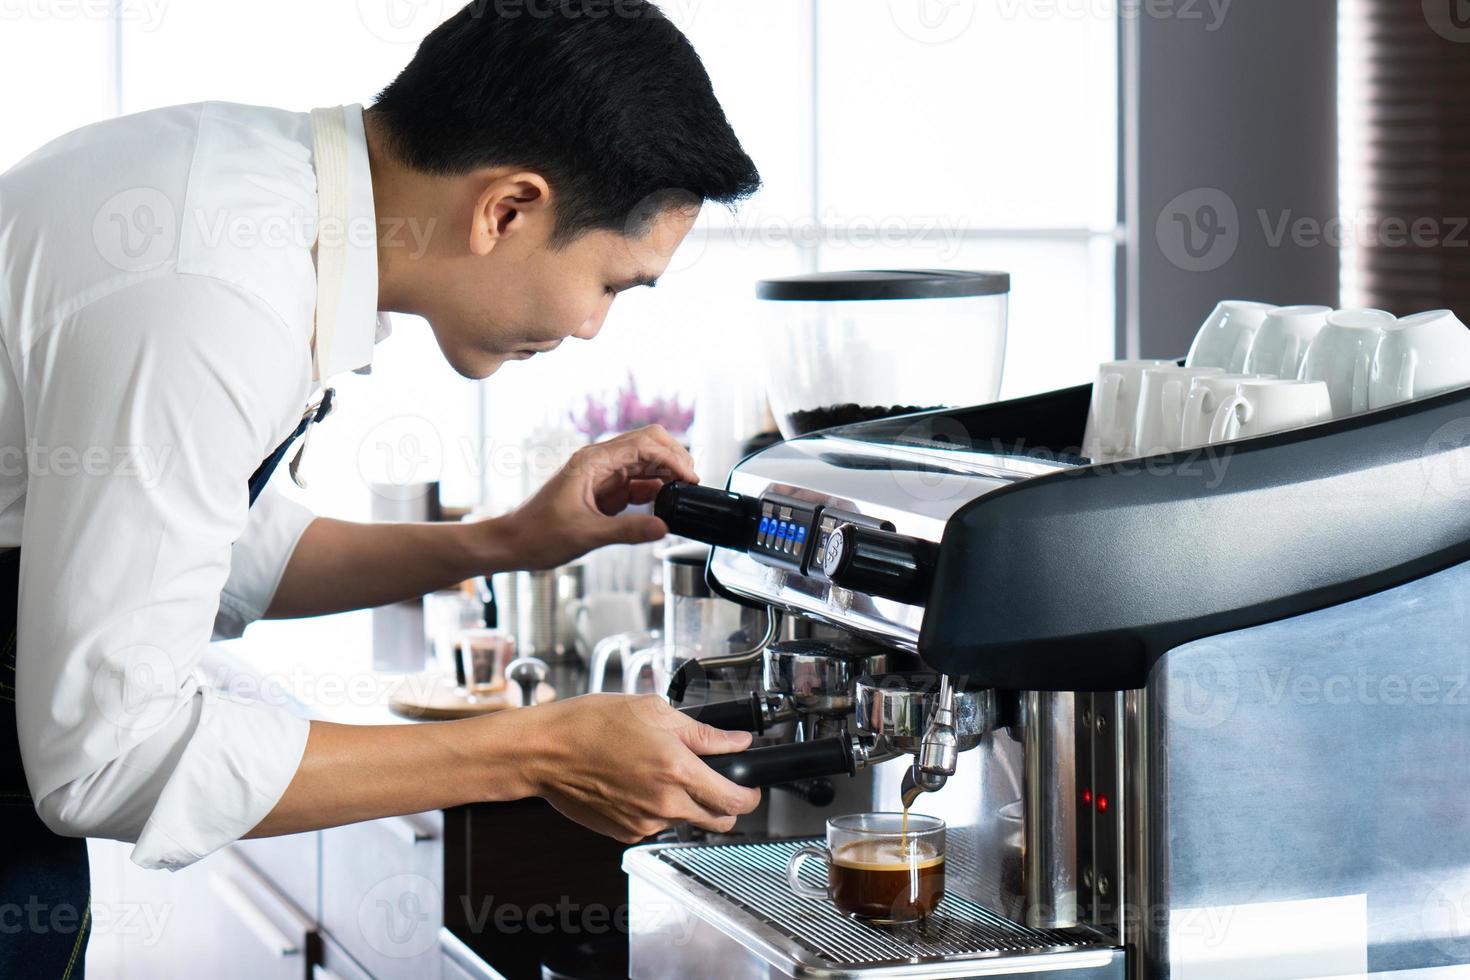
{"x":705,"y":786}
{"x":644,"y":491}
{"x":635,"y":529}
{"x":638,"y":455}
{"x":705,"y":739}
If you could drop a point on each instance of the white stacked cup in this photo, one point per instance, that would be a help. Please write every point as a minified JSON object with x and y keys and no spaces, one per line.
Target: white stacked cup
{"x":1113,"y":416}
{"x":1342,"y":354}
{"x":1417,"y":356}
{"x":1225,"y":339}
{"x":1163,"y":392}
{"x":1262,"y":406}
{"x":1282,"y":340}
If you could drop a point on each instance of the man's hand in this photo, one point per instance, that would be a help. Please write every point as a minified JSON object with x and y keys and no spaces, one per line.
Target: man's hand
{"x":581,"y":507}
{"x":628,"y":766}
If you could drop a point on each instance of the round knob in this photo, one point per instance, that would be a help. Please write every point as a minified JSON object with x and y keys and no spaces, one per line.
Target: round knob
{"x":879,"y":563}
{"x":527,"y":673}
{"x":715,"y":517}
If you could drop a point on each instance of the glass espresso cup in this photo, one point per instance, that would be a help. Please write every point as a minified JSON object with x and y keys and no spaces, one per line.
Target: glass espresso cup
{"x":877,"y":870}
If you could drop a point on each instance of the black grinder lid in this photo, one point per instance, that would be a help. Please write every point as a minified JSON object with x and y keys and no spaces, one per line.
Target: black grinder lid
{"x":833,"y":287}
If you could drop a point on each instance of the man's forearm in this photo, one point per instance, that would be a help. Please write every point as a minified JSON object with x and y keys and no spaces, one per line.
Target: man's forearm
{"x":361,"y":772}
{"x":339,"y":566}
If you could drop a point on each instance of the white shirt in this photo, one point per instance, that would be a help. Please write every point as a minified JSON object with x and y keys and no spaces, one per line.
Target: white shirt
{"x":157,"y":300}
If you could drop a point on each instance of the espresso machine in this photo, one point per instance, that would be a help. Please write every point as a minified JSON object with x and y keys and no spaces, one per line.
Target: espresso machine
{"x":1196,"y":715}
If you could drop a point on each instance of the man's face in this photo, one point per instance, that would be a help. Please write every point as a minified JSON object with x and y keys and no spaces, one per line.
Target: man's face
{"x":526,"y":297}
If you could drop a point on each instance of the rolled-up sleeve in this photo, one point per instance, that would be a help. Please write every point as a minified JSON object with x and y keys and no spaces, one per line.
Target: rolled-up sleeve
{"x":147,"y":410}
{"x":258,"y":560}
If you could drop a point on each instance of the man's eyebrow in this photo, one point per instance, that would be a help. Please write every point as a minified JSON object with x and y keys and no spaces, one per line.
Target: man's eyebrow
{"x":649,"y":281}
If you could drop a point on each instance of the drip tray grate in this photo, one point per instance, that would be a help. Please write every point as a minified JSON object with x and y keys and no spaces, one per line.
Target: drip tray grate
{"x":753,"y":876}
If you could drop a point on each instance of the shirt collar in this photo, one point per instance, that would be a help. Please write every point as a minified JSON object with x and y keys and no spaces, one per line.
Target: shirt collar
{"x":348,"y":322}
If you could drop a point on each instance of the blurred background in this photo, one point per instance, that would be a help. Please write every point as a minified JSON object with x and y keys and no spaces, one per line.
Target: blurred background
{"x":1128,"y":163}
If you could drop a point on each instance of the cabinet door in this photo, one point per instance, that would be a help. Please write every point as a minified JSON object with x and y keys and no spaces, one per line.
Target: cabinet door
{"x":218,"y":919}
{"x":291,"y":864}
{"x":382,"y":893}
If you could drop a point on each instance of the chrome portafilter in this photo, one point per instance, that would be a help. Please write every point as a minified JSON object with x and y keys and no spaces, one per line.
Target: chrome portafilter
{"x":818,"y":679}
{"x":923,"y":715}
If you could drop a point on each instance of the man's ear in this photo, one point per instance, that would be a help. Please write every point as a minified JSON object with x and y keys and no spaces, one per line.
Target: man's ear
{"x":506,"y":204}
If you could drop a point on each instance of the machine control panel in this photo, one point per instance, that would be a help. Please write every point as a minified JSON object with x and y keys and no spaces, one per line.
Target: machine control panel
{"x":784,"y":531}
{"x":795,"y":535}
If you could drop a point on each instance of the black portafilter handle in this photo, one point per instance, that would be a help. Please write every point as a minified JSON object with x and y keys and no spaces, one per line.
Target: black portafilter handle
{"x":716,"y":517}
{"x":778,"y":764}
{"x":736,"y":715}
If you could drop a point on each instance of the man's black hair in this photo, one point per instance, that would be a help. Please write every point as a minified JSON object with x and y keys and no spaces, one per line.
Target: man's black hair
{"x":605,"y":98}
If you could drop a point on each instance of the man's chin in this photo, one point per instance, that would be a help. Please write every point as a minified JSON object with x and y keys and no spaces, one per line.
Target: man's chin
{"x":478,"y":367}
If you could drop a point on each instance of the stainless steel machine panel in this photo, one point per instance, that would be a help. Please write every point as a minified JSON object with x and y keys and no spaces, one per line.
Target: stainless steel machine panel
{"x":728,"y":908}
{"x":1308,"y":803}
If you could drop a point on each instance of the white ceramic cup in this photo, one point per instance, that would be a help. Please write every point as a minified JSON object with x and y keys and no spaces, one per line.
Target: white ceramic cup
{"x":1206,"y":394}
{"x":1226,"y":336}
{"x":1263,"y":406}
{"x":1282,"y":341}
{"x":1419,"y":355}
{"x":1342,"y":356}
{"x":1161,"y":396}
{"x":1114,"y":411}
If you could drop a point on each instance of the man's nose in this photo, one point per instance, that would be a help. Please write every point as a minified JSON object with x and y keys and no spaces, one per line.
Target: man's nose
{"x":593,"y":324}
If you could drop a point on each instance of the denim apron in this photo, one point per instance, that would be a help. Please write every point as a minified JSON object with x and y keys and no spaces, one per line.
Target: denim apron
{"x":45,"y":886}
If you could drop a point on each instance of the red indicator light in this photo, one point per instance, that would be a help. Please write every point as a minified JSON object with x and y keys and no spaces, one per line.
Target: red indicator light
{"x":1102,"y":803}
{"x":1087,"y":797}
